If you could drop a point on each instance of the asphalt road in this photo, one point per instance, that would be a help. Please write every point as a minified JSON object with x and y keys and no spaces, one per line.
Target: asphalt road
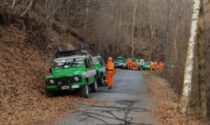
{"x":127,"y":104}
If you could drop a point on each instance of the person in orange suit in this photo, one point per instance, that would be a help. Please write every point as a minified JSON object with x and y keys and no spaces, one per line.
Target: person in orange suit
{"x":161,"y":65}
{"x":129,"y":64}
{"x":152,"y":65}
{"x":110,"y":70}
{"x":135,"y":65}
{"x":155,"y":65}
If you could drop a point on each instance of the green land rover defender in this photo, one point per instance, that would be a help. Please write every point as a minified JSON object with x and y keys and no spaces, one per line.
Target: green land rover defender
{"x":100,"y":67}
{"x":72,"y":70}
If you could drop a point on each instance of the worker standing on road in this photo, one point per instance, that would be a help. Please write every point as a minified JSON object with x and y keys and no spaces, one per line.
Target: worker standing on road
{"x":161,"y":65}
{"x":110,"y":70}
{"x":135,"y":65}
{"x":151,"y":65}
{"x":129,"y":64}
{"x":155,"y":65}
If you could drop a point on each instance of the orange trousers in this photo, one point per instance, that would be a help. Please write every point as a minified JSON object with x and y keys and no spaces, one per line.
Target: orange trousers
{"x":129,"y":66}
{"x":135,"y":67}
{"x":109,"y":78}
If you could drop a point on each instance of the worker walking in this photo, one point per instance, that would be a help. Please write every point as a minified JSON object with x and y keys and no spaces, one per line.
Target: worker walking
{"x":129,"y":64}
{"x":110,"y":70}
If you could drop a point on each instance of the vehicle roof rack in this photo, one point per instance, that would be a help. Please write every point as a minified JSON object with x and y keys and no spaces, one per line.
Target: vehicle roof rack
{"x":70,"y":53}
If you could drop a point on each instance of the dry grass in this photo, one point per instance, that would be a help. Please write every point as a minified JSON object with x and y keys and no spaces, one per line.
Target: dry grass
{"x":167,"y":103}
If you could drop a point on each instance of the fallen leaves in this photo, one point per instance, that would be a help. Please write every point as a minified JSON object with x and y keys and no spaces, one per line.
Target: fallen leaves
{"x":167,"y":103}
{"x":22,"y":70}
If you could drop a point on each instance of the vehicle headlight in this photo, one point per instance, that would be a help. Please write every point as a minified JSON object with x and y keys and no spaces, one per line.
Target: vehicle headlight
{"x":76,"y":79}
{"x":52,"y":81}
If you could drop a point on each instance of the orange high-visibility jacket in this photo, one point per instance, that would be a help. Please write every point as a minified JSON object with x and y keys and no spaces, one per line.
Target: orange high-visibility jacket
{"x":155,"y":65}
{"x":110,"y":66}
{"x":129,"y":62}
{"x":152,"y":66}
{"x":161,"y":66}
{"x":110,"y":70}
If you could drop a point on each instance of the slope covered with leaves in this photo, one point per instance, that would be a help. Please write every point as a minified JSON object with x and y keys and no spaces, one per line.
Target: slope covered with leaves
{"x":24,"y":61}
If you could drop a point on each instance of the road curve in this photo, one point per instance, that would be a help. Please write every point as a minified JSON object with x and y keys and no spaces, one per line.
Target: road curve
{"x":127,"y":104}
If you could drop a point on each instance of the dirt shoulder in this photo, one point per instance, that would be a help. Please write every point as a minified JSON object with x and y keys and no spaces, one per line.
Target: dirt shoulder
{"x":167,"y":103}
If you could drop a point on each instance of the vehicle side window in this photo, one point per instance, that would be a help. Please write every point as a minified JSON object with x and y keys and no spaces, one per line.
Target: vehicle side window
{"x":101,"y":61}
{"x":89,"y":62}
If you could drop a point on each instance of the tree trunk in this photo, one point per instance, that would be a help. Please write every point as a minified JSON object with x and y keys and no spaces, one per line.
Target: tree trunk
{"x":133,"y":28}
{"x":201,"y":64}
{"x":86,"y":15}
{"x":187,"y":85}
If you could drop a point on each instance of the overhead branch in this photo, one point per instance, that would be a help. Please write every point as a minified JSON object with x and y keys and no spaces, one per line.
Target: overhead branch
{"x":28,"y":8}
{"x":56,"y":9}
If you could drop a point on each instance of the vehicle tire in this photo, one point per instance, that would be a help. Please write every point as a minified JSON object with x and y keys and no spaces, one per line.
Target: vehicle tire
{"x":94,"y":87}
{"x":50,"y":94}
{"x":85,"y":90}
{"x":100,"y":81}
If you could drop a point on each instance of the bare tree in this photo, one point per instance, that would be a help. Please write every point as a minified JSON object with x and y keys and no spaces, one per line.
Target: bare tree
{"x":187,"y":85}
{"x":133,"y":27}
{"x":201,"y":63}
{"x":86,"y":14}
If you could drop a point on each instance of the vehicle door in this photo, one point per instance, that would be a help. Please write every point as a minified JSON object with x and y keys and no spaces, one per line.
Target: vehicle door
{"x":90,"y":70}
{"x":102,"y":66}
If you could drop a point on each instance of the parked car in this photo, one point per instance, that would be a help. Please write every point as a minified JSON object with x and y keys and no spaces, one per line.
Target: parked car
{"x":146,"y":65}
{"x":140,"y":63}
{"x":100,"y":67}
{"x":120,"y":62}
{"x":71,"y":70}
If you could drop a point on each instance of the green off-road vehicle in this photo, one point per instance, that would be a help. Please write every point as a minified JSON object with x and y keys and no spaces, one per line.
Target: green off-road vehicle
{"x":120,"y":62}
{"x":140,"y":63}
{"x":72,"y":70}
{"x":100,"y":67}
{"x":146,"y":65}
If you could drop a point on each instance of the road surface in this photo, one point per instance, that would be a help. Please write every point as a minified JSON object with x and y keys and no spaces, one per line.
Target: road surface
{"x":126,"y":104}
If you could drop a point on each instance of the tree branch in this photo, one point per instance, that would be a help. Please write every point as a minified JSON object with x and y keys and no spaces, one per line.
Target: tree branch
{"x":13,"y":4}
{"x":28,"y":8}
{"x":56,"y":9}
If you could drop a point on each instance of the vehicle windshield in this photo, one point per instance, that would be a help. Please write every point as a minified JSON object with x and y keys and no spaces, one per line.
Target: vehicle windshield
{"x":68,"y":62}
{"x":146,"y":63}
{"x":120,"y":60}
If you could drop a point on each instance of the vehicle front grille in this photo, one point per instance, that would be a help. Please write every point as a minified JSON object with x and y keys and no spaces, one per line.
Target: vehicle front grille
{"x":65,"y":80}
